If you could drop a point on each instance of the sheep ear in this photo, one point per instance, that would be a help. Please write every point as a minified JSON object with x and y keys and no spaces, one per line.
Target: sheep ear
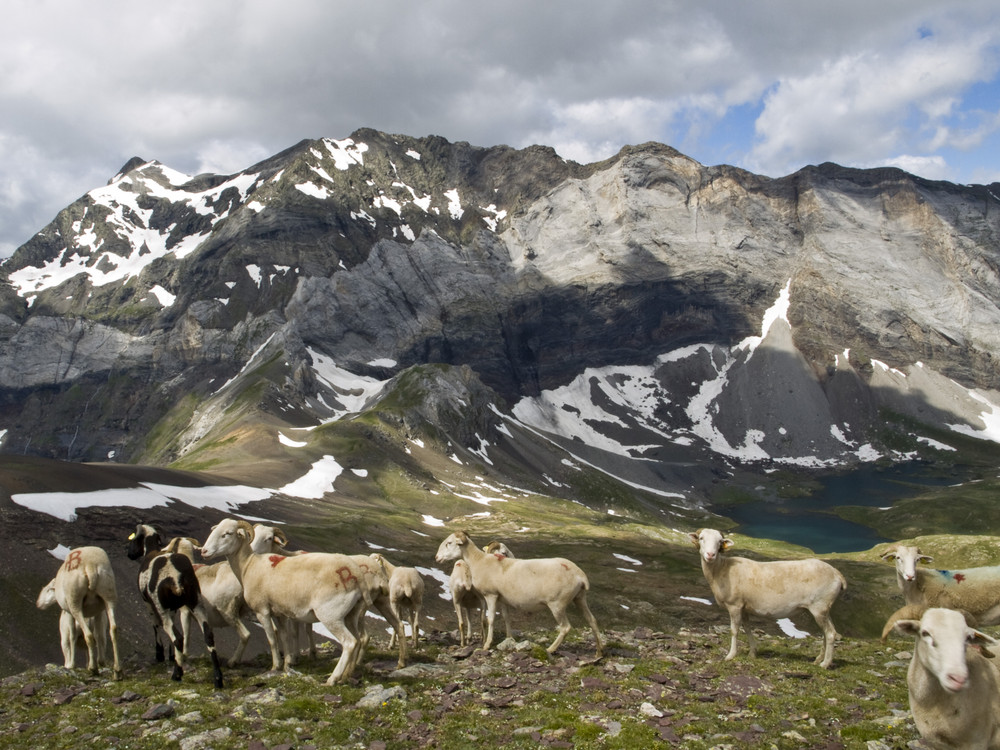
{"x":979,"y":638}
{"x":907,"y":627}
{"x":890,"y":555}
{"x":727,"y":543}
{"x":694,"y":538}
{"x":925,"y":559}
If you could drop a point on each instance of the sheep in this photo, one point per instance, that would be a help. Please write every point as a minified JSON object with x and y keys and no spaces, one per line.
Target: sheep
{"x":221,"y":597}
{"x":84,"y":588}
{"x":168,"y":583}
{"x":272,"y":540}
{"x":406,"y":592}
{"x":223,"y":603}
{"x":975,"y":592}
{"x":464,"y":596}
{"x":954,"y":687}
{"x":498,"y":548}
{"x":523,"y":584}
{"x":329,"y":588}
{"x":769,"y":589}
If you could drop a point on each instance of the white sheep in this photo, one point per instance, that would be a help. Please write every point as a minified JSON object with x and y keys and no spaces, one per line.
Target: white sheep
{"x":465,"y":598}
{"x":769,"y":589}
{"x":954,"y":688}
{"x":406,"y":594}
{"x":84,"y":588}
{"x":523,"y":584}
{"x":975,"y":592}
{"x":328,"y":588}
{"x":272,"y":540}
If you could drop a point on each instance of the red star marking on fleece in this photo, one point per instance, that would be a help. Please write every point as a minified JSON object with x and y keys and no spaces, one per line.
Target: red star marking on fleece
{"x":959,"y":577}
{"x":275,"y":559}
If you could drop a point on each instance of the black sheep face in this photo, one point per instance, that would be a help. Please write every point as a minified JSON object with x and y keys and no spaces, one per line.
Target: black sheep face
{"x":145,"y":540}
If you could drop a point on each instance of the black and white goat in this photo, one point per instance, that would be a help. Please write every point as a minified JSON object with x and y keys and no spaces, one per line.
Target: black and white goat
{"x":168,"y":584}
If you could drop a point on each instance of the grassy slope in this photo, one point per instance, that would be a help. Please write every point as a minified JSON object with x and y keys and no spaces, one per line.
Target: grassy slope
{"x":677,"y":668}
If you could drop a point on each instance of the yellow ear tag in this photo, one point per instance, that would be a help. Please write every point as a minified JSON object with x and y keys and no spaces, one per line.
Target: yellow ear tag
{"x":131,"y":537}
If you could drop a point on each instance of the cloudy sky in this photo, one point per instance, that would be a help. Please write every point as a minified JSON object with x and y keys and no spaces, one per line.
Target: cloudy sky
{"x":217,"y":85}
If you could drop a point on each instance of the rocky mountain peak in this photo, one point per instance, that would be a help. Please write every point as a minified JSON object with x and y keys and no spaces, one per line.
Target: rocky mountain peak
{"x":604,"y":305}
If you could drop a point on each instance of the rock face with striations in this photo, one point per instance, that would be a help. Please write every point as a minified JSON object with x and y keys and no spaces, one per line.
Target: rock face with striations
{"x":643,"y":301}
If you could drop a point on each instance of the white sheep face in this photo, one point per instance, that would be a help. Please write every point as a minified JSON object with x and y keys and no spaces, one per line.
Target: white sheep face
{"x":942,"y":636}
{"x":47,"y":597}
{"x":263,"y":539}
{"x":451,"y":548}
{"x":711,"y":543}
{"x":906,"y":559}
{"x":225,"y":539}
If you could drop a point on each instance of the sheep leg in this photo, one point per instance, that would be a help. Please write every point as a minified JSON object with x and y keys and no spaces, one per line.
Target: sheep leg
{"x":581,"y":603}
{"x":84,"y":623}
{"x":185,"y":617}
{"x":385,"y":609}
{"x":562,"y":621}
{"x":505,"y":613}
{"x":67,"y":638}
{"x":825,"y":658}
{"x":178,"y":645}
{"x":267,"y":625}
{"x":459,"y":610}
{"x":244,"y":635}
{"x":348,"y":643}
{"x":116,"y":667}
{"x":751,"y":641}
{"x":415,"y":624}
{"x":735,"y":620}
{"x":491,"y":614}
{"x":209,"y":634}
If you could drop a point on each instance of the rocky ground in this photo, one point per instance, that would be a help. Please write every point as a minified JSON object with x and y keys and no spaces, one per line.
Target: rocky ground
{"x":649,"y":689}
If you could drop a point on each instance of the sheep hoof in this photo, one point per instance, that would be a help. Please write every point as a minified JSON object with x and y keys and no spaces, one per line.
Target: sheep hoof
{"x":177,"y":674}
{"x":118,"y":675}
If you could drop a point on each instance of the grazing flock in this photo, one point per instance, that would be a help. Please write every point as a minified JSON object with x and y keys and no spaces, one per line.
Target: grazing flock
{"x":953,"y":681}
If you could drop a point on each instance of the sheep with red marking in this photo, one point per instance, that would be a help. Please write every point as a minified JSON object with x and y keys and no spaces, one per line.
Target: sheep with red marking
{"x":975,"y":592}
{"x":523,"y":584}
{"x":168,"y":584}
{"x":318,"y":587}
{"x":272,"y":540}
{"x":954,"y":687}
{"x":769,"y":589}
{"x":84,"y":588}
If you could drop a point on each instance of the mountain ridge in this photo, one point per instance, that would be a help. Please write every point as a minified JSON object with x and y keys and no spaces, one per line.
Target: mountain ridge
{"x":153,"y":310}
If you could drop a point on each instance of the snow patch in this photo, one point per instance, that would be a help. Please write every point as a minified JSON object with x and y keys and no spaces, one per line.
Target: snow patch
{"x":316,"y":482}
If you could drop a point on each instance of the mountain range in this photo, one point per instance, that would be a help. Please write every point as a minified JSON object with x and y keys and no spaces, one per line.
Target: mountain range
{"x":639,"y":314}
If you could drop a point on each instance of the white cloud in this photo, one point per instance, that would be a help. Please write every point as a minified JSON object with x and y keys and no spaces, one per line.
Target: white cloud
{"x":218,"y":86}
{"x":874,"y":106}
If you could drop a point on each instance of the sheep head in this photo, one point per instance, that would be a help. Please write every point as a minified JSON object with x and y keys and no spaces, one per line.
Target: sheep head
{"x":227,"y":537}
{"x":452,"y":547}
{"x":47,"y":597}
{"x":941,"y":637}
{"x":710,"y":543}
{"x":268,"y":539}
{"x":906,"y":559}
{"x":142,"y":541}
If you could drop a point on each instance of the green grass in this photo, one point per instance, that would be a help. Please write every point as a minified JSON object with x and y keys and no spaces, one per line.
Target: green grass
{"x":500,"y":699}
